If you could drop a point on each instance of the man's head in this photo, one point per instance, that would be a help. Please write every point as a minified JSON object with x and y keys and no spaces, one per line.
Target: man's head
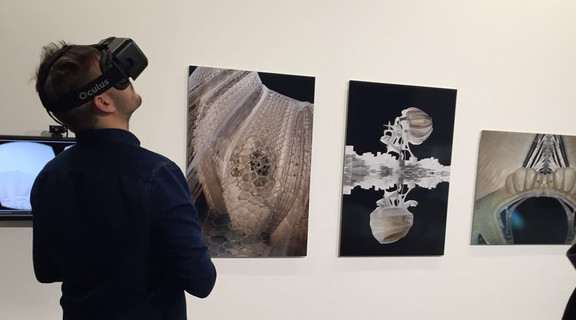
{"x":67,"y":72}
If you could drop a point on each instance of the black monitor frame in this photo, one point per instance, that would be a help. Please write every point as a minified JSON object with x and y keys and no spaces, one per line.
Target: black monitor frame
{"x":58,"y":144}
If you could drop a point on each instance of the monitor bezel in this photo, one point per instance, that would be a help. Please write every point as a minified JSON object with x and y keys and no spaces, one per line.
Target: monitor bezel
{"x":20,"y":215}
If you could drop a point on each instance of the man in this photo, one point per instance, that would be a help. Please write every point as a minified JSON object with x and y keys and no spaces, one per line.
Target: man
{"x":570,"y":310}
{"x":113,"y":222}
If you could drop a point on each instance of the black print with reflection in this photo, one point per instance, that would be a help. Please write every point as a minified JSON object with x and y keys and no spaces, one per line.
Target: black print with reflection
{"x":396,"y":170}
{"x":248,"y":160}
{"x":525,"y":189}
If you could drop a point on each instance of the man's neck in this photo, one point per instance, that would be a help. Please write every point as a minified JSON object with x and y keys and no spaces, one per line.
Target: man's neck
{"x":112,"y":123}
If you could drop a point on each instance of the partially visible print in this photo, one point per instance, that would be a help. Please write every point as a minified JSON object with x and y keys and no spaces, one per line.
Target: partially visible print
{"x":396,"y":170}
{"x":525,"y":189}
{"x":248,"y":160}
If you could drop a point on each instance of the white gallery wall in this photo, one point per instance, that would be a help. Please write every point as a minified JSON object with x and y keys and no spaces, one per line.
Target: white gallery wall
{"x":512,"y":62}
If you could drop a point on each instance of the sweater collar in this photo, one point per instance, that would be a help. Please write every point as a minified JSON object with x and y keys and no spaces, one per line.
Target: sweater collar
{"x":105,"y":136}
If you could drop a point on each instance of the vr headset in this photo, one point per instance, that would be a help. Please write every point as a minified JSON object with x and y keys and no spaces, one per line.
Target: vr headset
{"x":120,"y":60}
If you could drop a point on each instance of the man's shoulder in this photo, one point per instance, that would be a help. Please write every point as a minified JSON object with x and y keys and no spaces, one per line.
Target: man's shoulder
{"x":155,"y":158}
{"x":126,"y":159}
{"x":154,"y":163}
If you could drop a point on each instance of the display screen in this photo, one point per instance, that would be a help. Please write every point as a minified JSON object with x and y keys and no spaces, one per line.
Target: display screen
{"x":21,"y":159}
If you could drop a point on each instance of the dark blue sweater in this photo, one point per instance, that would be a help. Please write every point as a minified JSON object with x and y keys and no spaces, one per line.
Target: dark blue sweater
{"x":115,"y":224}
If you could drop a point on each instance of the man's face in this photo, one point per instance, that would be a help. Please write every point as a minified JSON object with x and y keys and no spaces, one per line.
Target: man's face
{"x":126,"y":100}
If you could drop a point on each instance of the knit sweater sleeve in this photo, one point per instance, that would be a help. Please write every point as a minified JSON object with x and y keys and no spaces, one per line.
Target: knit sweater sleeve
{"x":176,"y":221}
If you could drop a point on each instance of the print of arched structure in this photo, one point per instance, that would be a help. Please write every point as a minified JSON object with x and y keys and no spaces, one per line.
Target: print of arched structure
{"x":531,"y":193}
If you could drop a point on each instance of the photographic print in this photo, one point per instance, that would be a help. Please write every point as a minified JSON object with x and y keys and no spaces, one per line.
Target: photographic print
{"x":396,"y":170}
{"x":525,"y":189}
{"x":248,"y":160}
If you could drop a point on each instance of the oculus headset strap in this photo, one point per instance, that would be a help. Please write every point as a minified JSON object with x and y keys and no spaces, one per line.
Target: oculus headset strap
{"x":120,"y":60}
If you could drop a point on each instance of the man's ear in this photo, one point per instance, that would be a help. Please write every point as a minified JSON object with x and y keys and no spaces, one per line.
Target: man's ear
{"x":104,"y":103}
